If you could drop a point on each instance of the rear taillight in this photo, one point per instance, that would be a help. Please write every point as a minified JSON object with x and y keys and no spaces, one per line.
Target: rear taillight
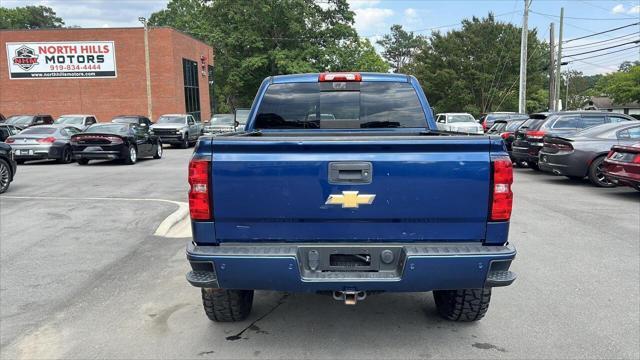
{"x":199,"y":199}
{"x":501,"y":195}
{"x":327,"y":77}
{"x":484,"y":126}
{"x":534,"y":134}
{"x":505,"y":135}
{"x":114,"y":140}
{"x":47,"y":140}
{"x":636,"y":160}
{"x":564,"y":147}
{"x":9,"y":140}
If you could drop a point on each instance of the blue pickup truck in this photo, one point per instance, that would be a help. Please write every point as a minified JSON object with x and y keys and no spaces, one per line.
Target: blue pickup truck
{"x":341,"y":184}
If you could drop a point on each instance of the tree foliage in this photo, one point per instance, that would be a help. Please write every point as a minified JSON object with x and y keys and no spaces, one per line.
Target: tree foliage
{"x":29,"y":17}
{"x":400,"y":46}
{"x":476,"y":68}
{"x":253,"y":40}
{"x":622,"y":86}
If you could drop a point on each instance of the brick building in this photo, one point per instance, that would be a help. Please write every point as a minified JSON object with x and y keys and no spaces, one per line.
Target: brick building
{"x":103,"y":72}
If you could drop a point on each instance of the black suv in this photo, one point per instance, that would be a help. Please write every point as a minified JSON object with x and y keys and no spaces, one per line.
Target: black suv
{"x":529,"y":137}
{"x":24,"y":121}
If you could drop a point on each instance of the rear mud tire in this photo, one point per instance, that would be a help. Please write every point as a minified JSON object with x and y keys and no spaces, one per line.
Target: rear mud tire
{"x":462,"y":305}
{"x":222,"y":305}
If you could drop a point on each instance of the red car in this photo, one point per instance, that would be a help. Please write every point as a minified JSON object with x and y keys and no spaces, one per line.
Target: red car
{"x":622,"y":165}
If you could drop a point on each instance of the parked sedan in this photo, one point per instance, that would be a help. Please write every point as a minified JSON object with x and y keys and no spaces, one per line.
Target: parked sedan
{"x":8,"y":167}
{"x":583,"y":154}
{"x":82,"y":122}
{"x":124,"y":141}
{"x":43,"y":142}
{"x":622,"y":165}
{"x":458,"y":122}
{"x":529,"y":137}
{"x":24,"y":121}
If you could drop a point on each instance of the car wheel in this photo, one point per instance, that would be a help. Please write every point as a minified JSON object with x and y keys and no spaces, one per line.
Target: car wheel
{"x":132,"y":156}
{"x":5,"y":176}
{"x":637,"y":187}
{"x":159,"y":150}
{"x":185,"y":142}
{"x":462,"y":305}
{"x":227,"y":305}
{"x":66,"y":157}
{"x":596,"y":174}
{"x":83,"y":161}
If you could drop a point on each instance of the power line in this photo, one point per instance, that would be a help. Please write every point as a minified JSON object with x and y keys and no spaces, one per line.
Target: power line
{"x":601,"y":41}
{"x":611,"y":52}
{"x":584,"y":18}
{"x":602,"y":32}
{"x":606,"y":48}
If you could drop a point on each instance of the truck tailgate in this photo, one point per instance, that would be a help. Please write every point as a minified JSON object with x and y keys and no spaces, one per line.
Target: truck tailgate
{"x":285,"y":189}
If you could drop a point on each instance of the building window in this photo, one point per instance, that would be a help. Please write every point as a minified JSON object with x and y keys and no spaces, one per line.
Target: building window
{"x":191,"y":88}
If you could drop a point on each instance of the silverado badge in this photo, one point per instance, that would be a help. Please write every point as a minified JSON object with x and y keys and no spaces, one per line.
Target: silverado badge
{"x":350,"y":199}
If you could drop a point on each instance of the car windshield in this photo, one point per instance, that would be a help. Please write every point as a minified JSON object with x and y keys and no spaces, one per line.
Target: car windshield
{"x":72,"y":120}
{"x":242,"y":115}
{"x":108,"y":128}
{"x":125,"y":120}
{"x":532,"y":124}
{"x":461,"y":118}
{"x":497,"y":127}
{"x":19,"y":120}
{"x":222,"y":119}
{"x":38,"y":131}
{"x":597,"y":130}
{"x":340,"y":105}
{"x":172,"y":120}
{"x":513,"y":125}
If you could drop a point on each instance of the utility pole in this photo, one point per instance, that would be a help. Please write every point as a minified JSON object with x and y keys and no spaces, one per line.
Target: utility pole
{"x":566,"y":95}
{"x":552,"y":60}
{"x":147,"y":66}
{"x":559,"y":61}
{"x":522,"y":97}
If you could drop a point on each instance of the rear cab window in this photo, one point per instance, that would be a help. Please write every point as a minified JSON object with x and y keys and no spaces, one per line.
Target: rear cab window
{"x":340,"y":105}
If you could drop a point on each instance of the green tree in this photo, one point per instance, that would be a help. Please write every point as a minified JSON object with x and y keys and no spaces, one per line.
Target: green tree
{"x":622,"y":86}
{"x":476,"y":68}
{"x":253,"y":40}
{"x":29,"y":17}
{"x":400,"y":46}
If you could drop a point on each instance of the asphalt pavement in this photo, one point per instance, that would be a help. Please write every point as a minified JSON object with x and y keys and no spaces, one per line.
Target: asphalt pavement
{"x":82,"y":276}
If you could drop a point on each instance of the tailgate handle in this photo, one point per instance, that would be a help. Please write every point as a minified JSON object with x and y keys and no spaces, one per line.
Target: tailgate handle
{"x":350,"y":172}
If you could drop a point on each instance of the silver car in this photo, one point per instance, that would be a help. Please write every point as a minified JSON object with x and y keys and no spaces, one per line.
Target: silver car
{"x":43,"y":142}
{"x":458,"y":122}
{"x":220,"y":123}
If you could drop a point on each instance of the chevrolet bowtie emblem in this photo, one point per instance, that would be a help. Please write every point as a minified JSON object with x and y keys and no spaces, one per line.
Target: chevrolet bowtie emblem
{"x":350,"y":199}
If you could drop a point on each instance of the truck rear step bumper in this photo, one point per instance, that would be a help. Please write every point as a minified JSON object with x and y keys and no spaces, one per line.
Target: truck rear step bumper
{"x":394,"y":267}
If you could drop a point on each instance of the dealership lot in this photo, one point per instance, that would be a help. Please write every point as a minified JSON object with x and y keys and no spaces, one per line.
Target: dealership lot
{"x":84,"y":277}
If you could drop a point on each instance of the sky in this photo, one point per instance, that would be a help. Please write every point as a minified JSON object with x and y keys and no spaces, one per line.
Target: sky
{"x":375,"y":17}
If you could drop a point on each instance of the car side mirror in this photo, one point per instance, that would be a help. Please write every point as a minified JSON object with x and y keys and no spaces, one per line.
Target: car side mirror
{"x":236,"y":123}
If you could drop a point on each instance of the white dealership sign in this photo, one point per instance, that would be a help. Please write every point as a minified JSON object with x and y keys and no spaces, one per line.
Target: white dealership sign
{"x":62,"y":60}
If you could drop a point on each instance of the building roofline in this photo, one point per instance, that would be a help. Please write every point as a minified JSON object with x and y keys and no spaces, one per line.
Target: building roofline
{"x":109,"y":28}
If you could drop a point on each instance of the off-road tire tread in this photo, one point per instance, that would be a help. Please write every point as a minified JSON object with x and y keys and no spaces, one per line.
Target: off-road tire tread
{"x":222,"y":305}
{"x":462,"y":305}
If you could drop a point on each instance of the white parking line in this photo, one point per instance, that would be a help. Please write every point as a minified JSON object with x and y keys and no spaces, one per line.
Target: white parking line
{"x":175,"y":225}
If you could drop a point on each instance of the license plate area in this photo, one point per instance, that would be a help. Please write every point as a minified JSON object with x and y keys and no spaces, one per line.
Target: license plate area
{"x":24,"y":152}
{"x":377,"y":259}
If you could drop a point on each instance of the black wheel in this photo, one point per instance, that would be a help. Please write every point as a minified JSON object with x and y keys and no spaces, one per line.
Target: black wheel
{"x":66,"y":157}
{"x":637,"y":187}
{"x":83,"y":161}
{"x":596,"y":174}
{"x":185,"y":142}
{"x":158,"y":152}
{"x":462,"y":305}
{"x":227,"y":305}
{"x":132,"y":156}
{"x":533,"y":165}
{"x":5,"y":176}
{"x":575,"y":178}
